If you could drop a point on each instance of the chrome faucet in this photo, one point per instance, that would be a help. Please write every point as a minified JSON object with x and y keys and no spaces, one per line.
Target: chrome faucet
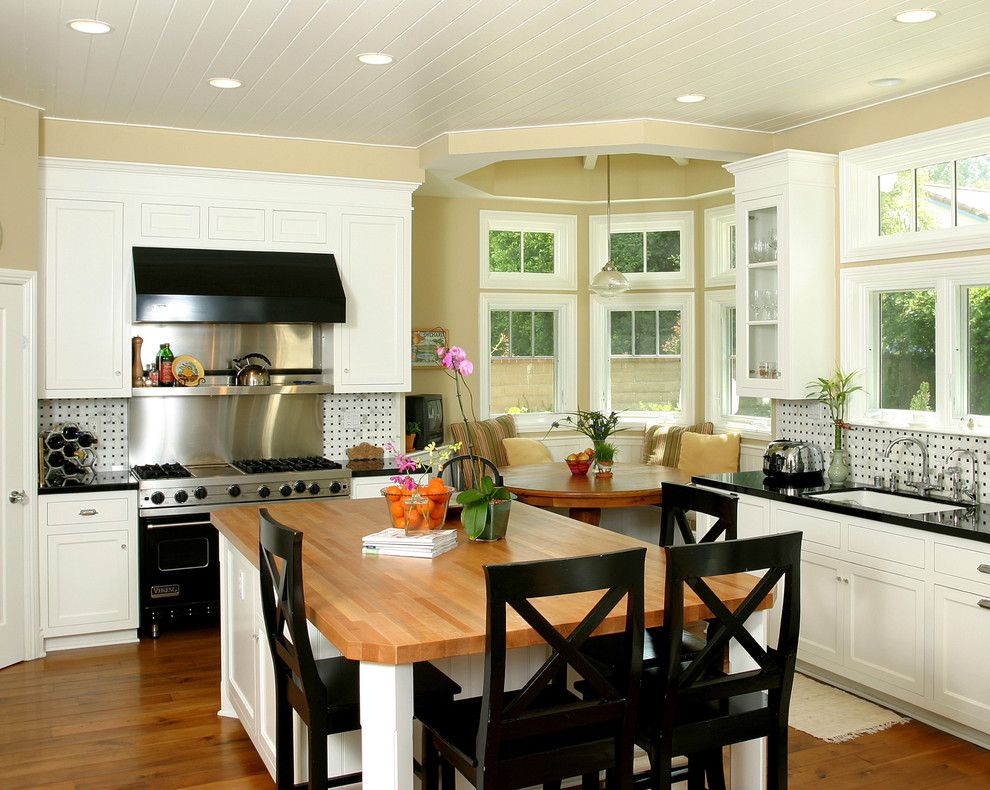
{"x":924,"y":485}
{"x":958,"y":490}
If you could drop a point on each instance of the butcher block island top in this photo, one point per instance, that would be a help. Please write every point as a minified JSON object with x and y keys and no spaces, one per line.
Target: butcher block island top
{"x":399,"y":610}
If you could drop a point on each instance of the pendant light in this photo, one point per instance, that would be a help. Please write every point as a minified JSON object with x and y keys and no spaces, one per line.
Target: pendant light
{"x":609,"y":281}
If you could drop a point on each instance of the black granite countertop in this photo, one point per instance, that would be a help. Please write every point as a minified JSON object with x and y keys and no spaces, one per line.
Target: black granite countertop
{"x":973,"y":523}
{"x":103,"y":481}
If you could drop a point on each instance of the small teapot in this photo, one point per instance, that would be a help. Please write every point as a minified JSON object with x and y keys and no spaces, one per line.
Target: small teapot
{"x":251,"y":374}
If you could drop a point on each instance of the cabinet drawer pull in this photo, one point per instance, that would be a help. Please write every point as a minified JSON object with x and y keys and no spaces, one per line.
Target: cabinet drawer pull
{"x":983,"y":603}
{"x":89,"y":512}
{"x":983,"y":568}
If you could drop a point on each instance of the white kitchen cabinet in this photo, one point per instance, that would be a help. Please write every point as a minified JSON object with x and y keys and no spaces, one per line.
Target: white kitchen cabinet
{"x":88,"y":569}
{"x":962,"y":633}
{"x":240,"y":600}
{"x":785,"y":278}
{"x":822,"y":598}
{"x":85,"y":298}
{"x":372,"y":350}
{"x":369,"y":487}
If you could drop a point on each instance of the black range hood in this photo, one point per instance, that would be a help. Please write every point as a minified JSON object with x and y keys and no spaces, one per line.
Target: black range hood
{"x":236,"y":286}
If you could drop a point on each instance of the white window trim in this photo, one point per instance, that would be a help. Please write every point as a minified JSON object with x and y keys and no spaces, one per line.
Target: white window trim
{"x":718,"y":220}
{"x":564,"y":228}
{"x":683,"y":301}
{"x":566,"y":307}
{"x":715,"y":408}
{"x":859,"y":170}
{"x":632,"y":223}
{"x":858,"y":286}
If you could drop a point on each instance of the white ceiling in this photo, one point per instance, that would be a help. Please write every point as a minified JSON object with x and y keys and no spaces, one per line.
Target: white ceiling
{"x":474,"y":64}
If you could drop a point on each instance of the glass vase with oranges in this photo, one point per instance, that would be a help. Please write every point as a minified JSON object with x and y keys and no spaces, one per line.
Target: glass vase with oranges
{"x":419,"y":505}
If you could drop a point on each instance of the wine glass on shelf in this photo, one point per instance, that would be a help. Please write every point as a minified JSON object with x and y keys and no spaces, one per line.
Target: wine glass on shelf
{"x":757,"y":305}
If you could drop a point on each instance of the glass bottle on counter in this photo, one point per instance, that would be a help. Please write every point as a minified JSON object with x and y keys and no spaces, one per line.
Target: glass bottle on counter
{"x":166,"y":376}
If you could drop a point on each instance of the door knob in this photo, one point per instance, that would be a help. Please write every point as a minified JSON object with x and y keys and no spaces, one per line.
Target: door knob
{"x":16,"y":496}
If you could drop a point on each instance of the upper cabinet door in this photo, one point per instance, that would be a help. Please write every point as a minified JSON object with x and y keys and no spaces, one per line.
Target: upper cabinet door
{"x":84,"y":300}
{"x":372,"y":349}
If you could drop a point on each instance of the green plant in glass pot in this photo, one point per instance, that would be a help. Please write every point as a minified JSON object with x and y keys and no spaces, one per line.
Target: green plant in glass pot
{"x":834,"y":392}
{"x":479,"y":499}
{"x":596,"y":426}
{"x":604,"y":457}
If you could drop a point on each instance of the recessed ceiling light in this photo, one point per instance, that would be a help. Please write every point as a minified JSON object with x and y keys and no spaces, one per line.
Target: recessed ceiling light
{"x":225,"y":82}
{"x":886,"y":82}
{"x":375,"y":58}
{"x":691,"y":98}
{"x":92,"y":26}
{"x":916,"y":15}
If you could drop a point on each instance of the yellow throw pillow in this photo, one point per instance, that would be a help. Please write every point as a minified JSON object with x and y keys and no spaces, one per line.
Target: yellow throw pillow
{"x":526,"y":451}
{"x":703,"y":455}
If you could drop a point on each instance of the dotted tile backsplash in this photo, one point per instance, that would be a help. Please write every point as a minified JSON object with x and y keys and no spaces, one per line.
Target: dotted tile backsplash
{"x":808,"y":420}
{"x":347,"y":420}
{"x":105,"y":417}
{"x":351,"y":419}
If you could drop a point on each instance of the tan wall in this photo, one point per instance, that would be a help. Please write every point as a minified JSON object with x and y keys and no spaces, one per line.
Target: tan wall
{"x":121,"y":143}
{"x":19,"y":186}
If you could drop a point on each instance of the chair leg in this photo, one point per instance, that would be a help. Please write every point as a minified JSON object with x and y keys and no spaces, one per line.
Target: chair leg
{"x":696,"y":772}
{"x":317,"y":756}
{"x":551,"y":785}
{"x":284,"y":769}
{"x":777,"y":761}
{"x":447,"y":779}
{"x":715,"y":770}
{"x":431,"y":763}
{"x":590,"y":782}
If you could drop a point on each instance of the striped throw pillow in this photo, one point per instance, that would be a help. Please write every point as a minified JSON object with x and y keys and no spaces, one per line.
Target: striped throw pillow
{"x":662,"y":443}
{"x":486,"y":436}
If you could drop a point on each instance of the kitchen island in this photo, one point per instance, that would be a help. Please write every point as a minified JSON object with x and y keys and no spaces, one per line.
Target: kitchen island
{"x":388,"y":612}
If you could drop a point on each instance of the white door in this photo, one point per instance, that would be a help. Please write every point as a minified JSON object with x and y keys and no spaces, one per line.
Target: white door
{"x":16,"y":490}
{"x":822,"y":601}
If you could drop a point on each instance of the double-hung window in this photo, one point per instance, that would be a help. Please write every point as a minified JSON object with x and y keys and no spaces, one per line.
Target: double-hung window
{"x":642,"y":355}
{"x":723,"y":404}
{"x":920,"y":332}
{"x":720,"y":246}
{"x":529,"y":366}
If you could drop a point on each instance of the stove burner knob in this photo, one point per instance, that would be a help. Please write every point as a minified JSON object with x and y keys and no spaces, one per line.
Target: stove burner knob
{"x":157,"y":498}
{"x":300,"y":486}
{"x":314,"y":488}
{"x":234,"y":490}
{"x":200,"y":492}
{"x":181,"y":496}
{"x":285,"y":489}
{"x":335,"y":487}
{"x":264,"y":491}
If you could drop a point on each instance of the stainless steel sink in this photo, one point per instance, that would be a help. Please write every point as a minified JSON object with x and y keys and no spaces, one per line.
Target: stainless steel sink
{"x":891,"y":503}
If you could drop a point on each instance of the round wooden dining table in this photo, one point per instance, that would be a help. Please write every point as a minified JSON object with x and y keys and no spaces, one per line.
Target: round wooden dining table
{"x":553,"y":485}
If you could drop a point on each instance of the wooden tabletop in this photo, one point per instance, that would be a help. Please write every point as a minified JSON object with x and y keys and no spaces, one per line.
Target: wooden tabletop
{"x":397,"y":610}
{"x":553,"y":485}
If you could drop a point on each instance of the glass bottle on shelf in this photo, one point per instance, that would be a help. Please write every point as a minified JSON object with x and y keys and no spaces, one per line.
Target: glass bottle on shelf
{"x":166,"y":376}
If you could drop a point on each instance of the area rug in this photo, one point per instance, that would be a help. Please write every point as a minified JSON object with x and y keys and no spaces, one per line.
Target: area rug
{"x":834,"y":716}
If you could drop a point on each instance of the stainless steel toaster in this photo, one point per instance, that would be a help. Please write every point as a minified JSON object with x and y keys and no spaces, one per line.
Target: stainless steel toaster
{"x":787,"y":460}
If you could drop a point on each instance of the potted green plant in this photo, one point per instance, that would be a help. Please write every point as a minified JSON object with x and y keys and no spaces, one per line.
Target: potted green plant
{"x":604,"y":457}
{"x":596,"y":426}
{"x":834,"y":392}
{"x":485,"y":510}
{"x":413,"y":428}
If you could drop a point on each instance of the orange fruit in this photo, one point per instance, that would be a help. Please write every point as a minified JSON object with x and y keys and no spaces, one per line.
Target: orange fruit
{"x":393,"y":490}
{"x":414,"y":518}
{"x":436,"y":486}
{"x":396,"y":508}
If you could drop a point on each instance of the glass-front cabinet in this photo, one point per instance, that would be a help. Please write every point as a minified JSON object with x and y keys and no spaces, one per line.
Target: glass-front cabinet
{"x":785,"y":279}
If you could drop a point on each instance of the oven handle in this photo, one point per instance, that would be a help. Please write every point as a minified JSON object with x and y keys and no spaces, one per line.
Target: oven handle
{"x":180,"y":524}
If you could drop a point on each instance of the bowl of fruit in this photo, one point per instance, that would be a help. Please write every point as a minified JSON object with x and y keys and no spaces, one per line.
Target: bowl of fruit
{"x":419,"y":510}
{"x":579,"y":463}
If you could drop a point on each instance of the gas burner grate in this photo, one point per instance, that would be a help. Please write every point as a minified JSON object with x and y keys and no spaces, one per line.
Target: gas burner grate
{"x":260,"y":465}
{"x":160,"y":471}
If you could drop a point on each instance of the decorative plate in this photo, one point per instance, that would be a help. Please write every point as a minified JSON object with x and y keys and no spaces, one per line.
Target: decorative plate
{"x":188,"y":371}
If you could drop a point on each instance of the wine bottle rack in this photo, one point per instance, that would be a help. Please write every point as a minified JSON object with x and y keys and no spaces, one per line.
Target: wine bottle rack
{"x":67,"y":455}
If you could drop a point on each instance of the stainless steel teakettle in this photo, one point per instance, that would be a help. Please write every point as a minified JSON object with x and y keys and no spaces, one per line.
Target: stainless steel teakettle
{"x":251,"y":374}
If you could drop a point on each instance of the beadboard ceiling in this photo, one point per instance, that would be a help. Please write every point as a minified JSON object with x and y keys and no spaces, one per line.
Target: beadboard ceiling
{"x":765,"y":65}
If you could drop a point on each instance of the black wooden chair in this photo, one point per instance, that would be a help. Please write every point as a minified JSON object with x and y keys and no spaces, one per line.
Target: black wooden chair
{"x":690,"y":705}
{"x":324,"y":693}
{"x":458,"y":472}
{"x":543,"y":733}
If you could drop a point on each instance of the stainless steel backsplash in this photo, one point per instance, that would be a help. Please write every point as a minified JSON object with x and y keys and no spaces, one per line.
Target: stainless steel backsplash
{"x":215,"y":345}
{"x":207,"y":429}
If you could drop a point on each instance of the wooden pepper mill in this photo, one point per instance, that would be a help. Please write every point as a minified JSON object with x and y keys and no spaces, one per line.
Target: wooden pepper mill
{"x":137,"y":369}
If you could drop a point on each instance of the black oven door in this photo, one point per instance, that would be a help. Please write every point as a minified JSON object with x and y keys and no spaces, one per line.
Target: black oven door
{"x":180,"y":570}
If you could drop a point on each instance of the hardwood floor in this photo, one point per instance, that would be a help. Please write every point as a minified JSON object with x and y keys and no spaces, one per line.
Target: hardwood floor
{"x":144,"y":716}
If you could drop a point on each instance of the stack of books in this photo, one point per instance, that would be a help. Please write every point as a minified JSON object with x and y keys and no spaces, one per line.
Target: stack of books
{"x":396,"y":543}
